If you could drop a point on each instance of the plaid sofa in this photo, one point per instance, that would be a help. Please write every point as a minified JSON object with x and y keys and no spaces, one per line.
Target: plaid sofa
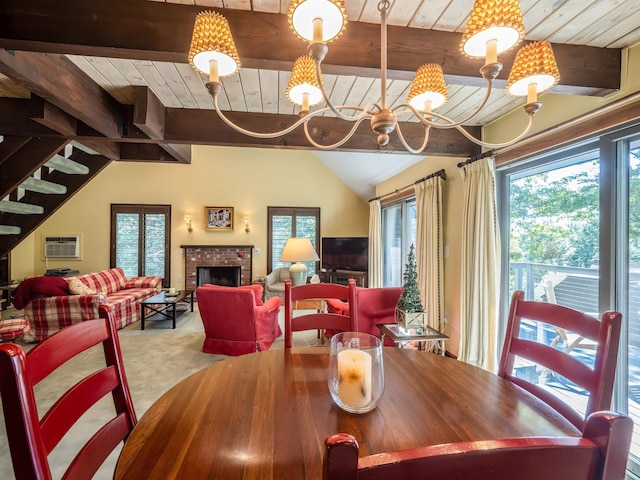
{"x":116,"y":296}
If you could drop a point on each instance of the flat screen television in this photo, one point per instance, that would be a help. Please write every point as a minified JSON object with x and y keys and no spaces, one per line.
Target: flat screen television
{"x":345,"y":253}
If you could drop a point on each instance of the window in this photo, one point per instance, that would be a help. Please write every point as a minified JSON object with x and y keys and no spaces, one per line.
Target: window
{"x":140,"y":240}
{"x":398,"y":234}
{"x":286,"y":222}
{"x":572,"y":218}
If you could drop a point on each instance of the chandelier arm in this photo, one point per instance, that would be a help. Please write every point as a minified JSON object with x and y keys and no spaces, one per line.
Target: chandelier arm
{"x":250,"y":133}
{"x":407,"y":146}
{"x":496,"y":145}
{"x":337,"y":144}
{"x":336,"y":109}
{"x":421,"y":115}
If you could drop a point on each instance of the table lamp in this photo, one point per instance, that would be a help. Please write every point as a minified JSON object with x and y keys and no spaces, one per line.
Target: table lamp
{"x":298,"y":250}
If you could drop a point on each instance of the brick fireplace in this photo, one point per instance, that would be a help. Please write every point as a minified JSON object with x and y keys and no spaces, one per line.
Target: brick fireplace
{"x":216,"y":256}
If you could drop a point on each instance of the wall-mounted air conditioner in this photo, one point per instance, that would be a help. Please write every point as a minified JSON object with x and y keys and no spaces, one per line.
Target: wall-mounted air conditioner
{"x":62,"y":247}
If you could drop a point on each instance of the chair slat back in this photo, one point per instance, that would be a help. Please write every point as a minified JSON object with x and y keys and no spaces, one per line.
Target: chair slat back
{"x":596,"y":381}
{"x":601,"y":454}
{"x":31,"y":439}
{"x":330,"y":321}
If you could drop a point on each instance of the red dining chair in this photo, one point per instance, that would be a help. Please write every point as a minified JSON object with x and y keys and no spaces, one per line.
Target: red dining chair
{"x":320,"y":320}
{"x":31,"y":439}
{"x":596,"y":381}
{"x":600,"y":454}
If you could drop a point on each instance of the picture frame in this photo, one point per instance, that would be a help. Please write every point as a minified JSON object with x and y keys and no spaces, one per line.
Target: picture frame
{"x":218,"y":218}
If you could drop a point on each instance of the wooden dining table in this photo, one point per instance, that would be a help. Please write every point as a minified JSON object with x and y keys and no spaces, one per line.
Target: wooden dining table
{"x":266,"y":415}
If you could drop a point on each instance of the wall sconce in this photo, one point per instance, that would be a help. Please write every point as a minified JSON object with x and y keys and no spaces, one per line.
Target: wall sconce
{"x":187,"y":221}
{"x":246,"y":225}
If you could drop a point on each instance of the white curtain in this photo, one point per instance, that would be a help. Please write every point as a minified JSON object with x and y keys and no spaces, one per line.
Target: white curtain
{"x":375,"y":244}
{"x":480,"y":275}
{"x":429,"y":249}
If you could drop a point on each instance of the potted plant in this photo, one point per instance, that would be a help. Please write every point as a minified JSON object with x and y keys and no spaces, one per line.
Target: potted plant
{"x":409,"y":310}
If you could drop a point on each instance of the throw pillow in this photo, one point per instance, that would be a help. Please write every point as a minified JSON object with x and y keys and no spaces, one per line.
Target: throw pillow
{"x":76,"y":287}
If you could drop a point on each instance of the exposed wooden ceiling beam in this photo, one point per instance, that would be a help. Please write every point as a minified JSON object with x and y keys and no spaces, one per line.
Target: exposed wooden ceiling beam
{"x":56,"y":79}
{"x":140,"y":29}
{"x":183,"y":127}
{"x":205,"y":127}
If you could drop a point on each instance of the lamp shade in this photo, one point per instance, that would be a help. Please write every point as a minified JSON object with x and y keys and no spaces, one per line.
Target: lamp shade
{"x":303,"y":80}
{"x":302,"y":14}
{"x":535,"y":63}
{"x":212,"y":40}
{"x":428,"y":86}
{"x":499,"y":20}
{"x":298,"y":250}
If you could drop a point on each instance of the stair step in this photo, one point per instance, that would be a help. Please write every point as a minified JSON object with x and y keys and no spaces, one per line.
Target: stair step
{"x":9,"y":230}
{"x":20,"y":208}
{"x":42,"y":186}
{"x":64,"y":165}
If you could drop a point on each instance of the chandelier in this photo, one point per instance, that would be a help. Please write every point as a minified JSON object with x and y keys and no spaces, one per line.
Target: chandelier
{"x":494,"y":26}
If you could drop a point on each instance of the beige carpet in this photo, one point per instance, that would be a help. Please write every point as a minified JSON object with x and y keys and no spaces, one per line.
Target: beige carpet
{"x":155,"y":359}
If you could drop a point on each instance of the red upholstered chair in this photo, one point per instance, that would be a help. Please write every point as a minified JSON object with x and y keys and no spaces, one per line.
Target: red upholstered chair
{"x":374,"y":306}
{"x":235,"y":319}
{"x":600,"y":454}
{"x":333,"y":321}
{"x":596,"y":381}
{"x":31,"y":439}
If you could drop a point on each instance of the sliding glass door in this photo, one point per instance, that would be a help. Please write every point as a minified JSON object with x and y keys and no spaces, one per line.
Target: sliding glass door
{"x":572,"y":220}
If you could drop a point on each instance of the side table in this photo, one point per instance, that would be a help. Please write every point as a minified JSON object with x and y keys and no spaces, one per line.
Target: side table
{"x":395,"y":333}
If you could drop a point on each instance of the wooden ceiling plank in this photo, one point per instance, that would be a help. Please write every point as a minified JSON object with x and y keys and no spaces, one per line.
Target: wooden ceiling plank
{"x":269,"y":95}
{"x":27,"y":160}
{"x":157,"y":83}
{"x":205,"y":127}
{"x":252,"y":92}
{"x":194,"y":83}
{"x":68,"y":88}
{"x":264,"y":40}
{"x":176,"y":84}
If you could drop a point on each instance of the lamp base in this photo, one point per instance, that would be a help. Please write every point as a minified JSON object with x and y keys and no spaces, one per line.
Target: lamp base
{"x":298,"y":274}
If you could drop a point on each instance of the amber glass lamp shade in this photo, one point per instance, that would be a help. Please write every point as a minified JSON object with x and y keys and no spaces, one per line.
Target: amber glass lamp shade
{"x":303,"y":81}
{"x":499,"y":20}
{"x":331,"y":13}
{"x":535,"y":64}
{"x":428,"y":88}
{"x":212,"y":40}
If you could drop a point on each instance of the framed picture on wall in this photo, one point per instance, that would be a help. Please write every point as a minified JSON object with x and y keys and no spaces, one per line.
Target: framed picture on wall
{"x":218,"y":218}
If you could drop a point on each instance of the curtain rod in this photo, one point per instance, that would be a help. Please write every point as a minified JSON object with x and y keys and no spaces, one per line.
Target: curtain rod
{"x":439,"y":173}
{"x":475,"y":158}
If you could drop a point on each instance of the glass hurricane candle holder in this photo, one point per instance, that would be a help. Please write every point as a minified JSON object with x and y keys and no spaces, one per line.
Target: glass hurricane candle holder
{"x":356,"y":374}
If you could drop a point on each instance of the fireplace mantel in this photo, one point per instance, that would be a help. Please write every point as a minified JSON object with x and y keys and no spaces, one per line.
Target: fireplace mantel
{"x":217,"y":256}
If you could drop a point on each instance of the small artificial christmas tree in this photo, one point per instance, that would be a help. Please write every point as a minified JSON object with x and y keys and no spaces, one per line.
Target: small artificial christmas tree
{"x":409,"y":302}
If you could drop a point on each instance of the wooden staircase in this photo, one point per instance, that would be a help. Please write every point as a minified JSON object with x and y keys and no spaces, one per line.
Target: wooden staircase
{"x":37,"y":176}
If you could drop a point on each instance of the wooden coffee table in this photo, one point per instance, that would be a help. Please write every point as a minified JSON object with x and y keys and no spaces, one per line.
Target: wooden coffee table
{"x":163,"y":306}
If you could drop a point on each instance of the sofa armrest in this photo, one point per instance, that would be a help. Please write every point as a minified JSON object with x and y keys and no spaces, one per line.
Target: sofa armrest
{"x":272,"y":304}
{"x":47,"y":315}
{"x":144,"y":282}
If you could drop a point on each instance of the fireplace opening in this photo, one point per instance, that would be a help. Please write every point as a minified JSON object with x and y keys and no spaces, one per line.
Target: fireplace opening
{"x":223,"y":276}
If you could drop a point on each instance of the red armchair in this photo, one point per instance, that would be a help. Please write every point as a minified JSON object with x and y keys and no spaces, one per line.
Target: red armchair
{"x":235,"y":319}
{"x":374,"y":305}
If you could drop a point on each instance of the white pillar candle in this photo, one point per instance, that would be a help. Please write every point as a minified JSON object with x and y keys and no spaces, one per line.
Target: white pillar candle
{"x":172,"y":291}
{"x":317,"y":30}
{"x":532,"y":92}
{"x":492,"y":51}
{"x":354,"y":378}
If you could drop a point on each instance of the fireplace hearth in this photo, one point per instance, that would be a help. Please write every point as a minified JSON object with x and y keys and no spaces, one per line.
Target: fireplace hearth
{"x":224,"y":276}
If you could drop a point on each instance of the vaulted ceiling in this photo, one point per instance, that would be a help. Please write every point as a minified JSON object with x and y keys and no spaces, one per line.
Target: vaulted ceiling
{"x":112,"y":75}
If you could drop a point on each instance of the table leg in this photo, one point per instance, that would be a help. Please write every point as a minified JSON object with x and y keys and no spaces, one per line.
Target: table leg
{"x":192,"y":301}
{"x":173,"y":311}
{"x":142,"y":317}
